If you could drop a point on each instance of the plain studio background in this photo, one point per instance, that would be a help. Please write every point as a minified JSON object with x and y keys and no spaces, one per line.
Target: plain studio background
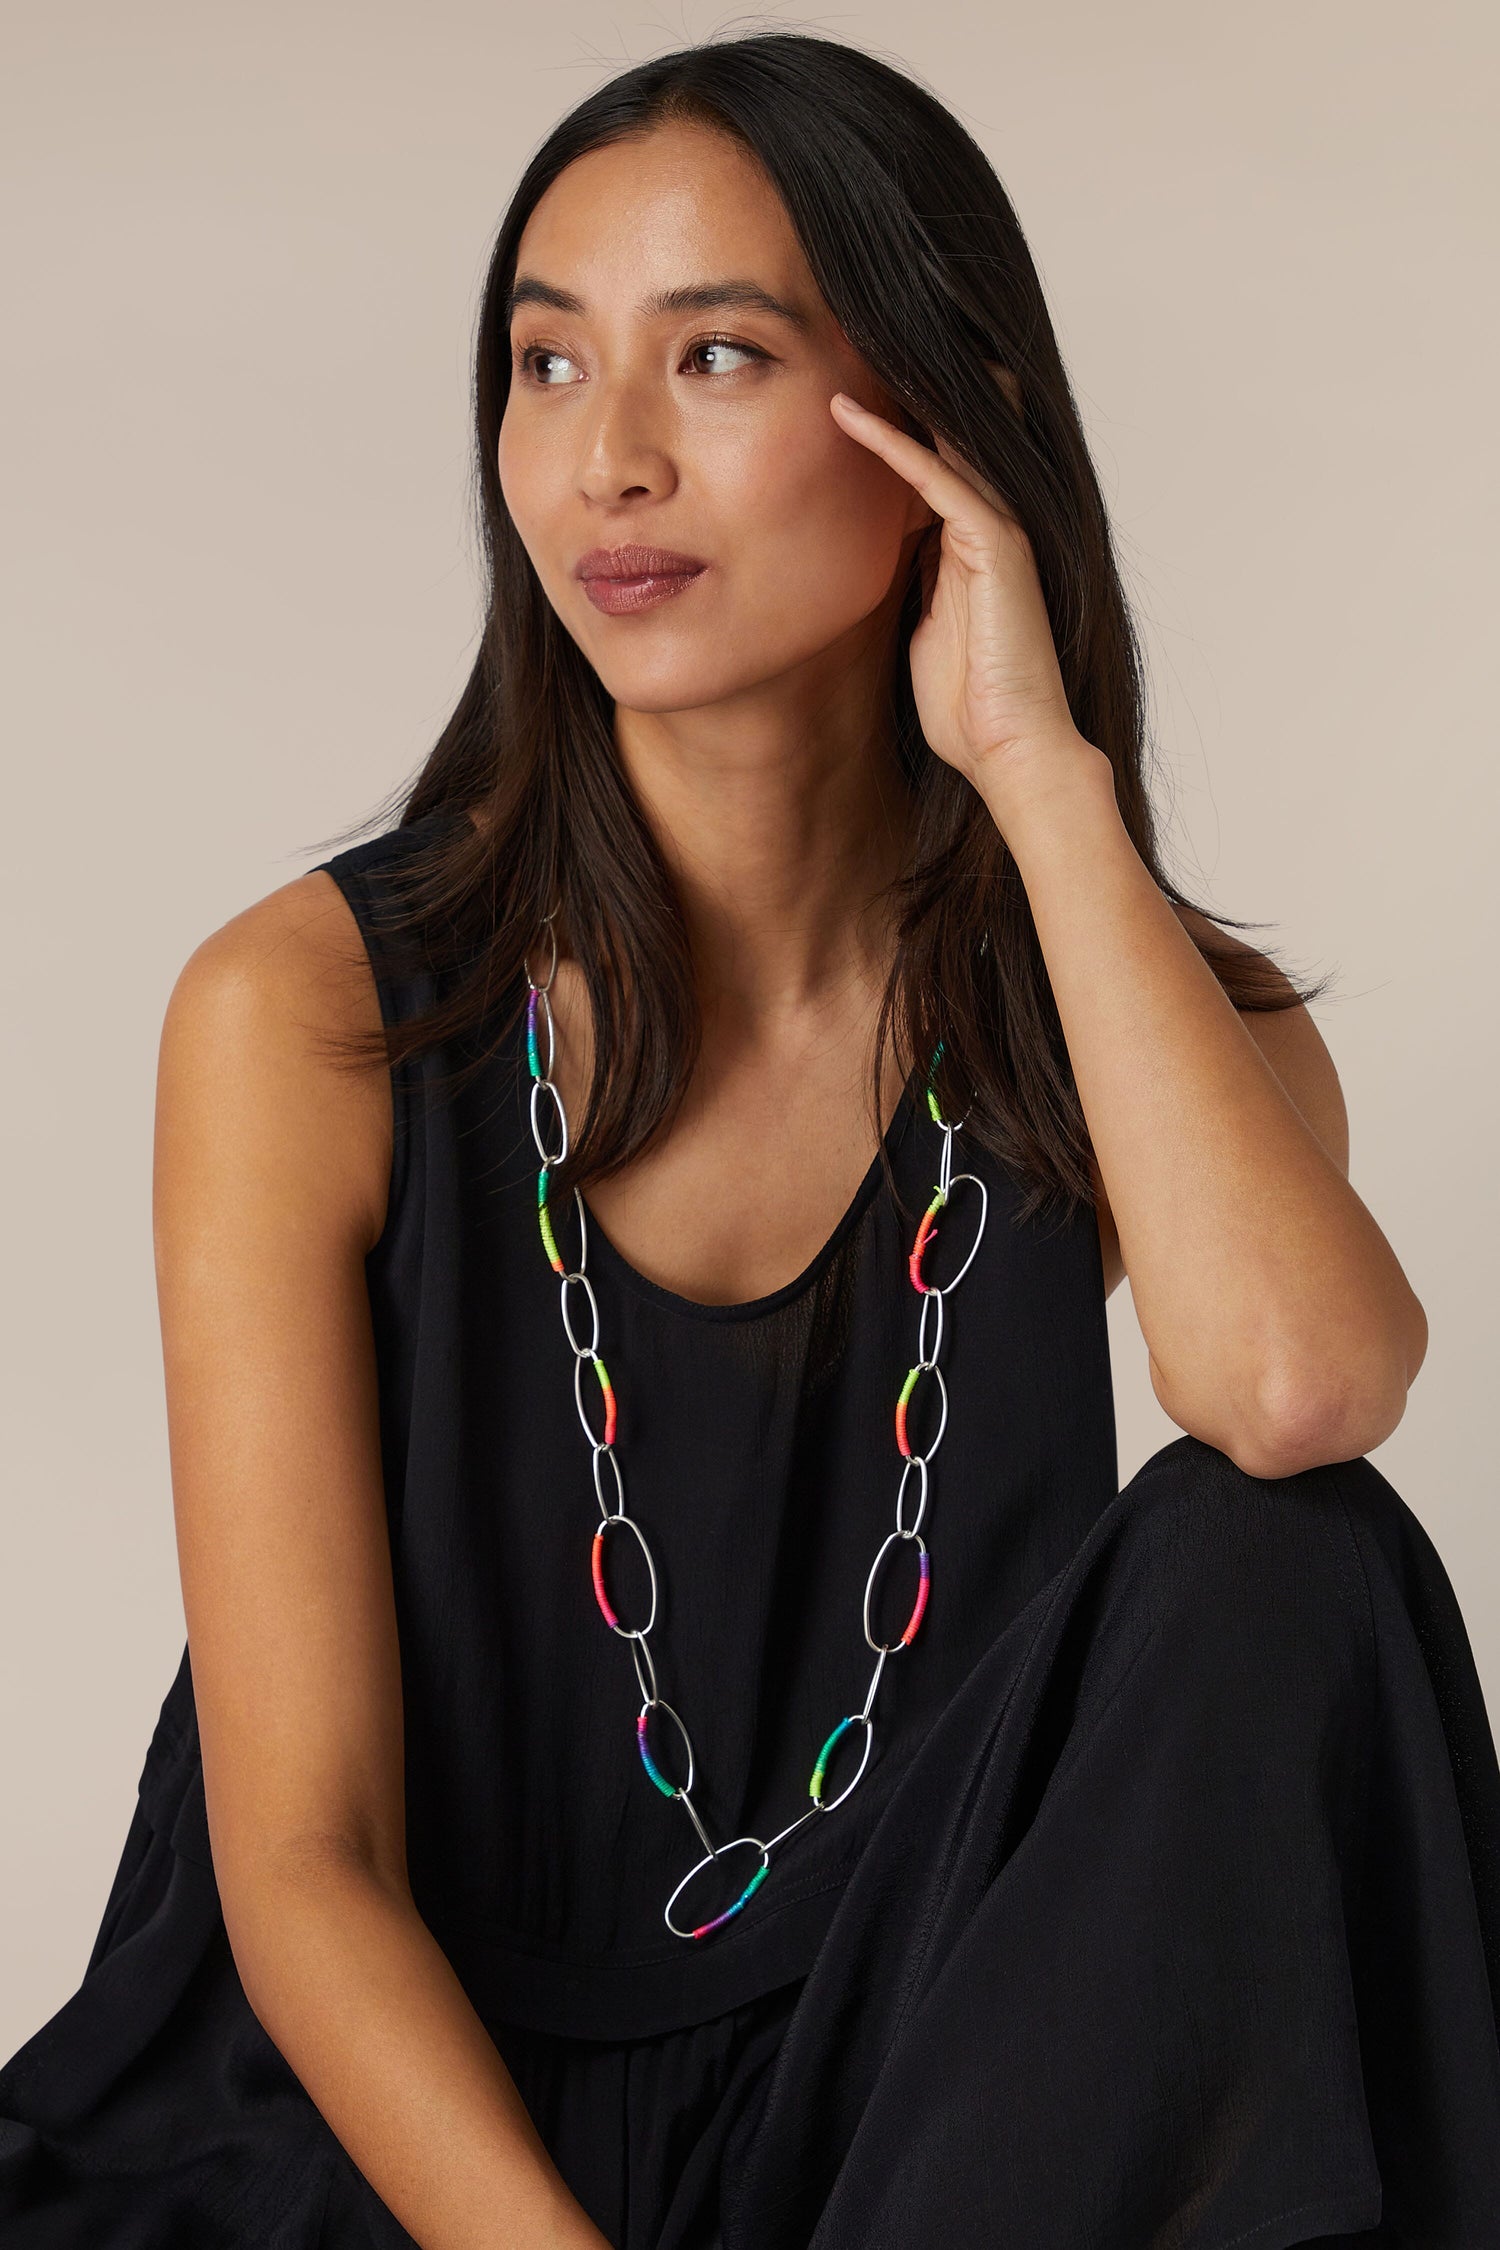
{"x":243,"y":251}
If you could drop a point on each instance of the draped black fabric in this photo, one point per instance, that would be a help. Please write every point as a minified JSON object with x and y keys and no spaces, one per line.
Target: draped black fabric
{"x":1167,"y":1912}
{"x":1184,"y":1926}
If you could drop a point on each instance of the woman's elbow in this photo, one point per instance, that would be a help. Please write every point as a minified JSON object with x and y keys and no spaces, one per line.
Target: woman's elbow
{"x":1320,"y":1412}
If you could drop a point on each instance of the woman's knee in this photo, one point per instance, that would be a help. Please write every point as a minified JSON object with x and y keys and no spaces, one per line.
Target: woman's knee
{"x":1269,"y":1563}
{"x":1210,"y":1486}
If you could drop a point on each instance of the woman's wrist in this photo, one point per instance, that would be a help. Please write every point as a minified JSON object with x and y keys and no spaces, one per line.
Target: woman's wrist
{"x":1036,"y":790}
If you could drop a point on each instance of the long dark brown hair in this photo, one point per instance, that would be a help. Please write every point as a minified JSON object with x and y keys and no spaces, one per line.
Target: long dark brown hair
{"x":913,"y":243}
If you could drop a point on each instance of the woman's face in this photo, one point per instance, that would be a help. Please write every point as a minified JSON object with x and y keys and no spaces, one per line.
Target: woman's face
{"x":703,"y":429}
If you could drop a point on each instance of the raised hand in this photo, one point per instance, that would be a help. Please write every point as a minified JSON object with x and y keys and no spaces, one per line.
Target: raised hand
{"x":985,"y":676}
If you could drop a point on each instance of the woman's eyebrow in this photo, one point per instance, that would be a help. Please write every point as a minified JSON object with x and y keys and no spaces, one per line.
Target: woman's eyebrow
{"x":700,"y":296}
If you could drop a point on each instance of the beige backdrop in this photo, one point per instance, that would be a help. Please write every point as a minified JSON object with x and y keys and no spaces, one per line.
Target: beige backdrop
{"x":244,"y":247}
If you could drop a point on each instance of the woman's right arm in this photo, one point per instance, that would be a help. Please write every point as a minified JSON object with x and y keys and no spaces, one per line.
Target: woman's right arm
{"x":270,"y":1180}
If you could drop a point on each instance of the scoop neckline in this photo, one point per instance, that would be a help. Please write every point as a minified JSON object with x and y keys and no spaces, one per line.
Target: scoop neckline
{"x":614,"y":1261}
{"x":755,"y":1308}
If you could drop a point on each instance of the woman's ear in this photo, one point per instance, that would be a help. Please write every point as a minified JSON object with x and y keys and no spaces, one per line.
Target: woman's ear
{"x":1009,"y":381}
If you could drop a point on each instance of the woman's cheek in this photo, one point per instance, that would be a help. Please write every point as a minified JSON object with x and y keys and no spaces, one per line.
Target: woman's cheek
{"x":807,"y":594}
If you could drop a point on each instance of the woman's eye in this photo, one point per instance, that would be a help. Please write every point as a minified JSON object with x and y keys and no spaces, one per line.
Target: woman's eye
{"x":725,"y":344}
{"x":527,"y":361}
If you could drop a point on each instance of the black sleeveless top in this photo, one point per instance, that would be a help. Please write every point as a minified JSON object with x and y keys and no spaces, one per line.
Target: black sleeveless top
{"x":757,"y":1446}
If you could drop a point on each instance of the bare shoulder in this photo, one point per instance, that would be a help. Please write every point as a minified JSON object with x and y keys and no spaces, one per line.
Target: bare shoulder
{"x":299,"y":945}
{"x":1294,"y":1048}
{"x":250,"y":1059}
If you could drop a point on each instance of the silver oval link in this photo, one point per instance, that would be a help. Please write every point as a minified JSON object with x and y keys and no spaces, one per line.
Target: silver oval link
{"x":583,"y":1360}
{"x":544,"y":1008}
{"x":984,"y":1213}
{"x":912,"y":1461}
{"x":634,"y":1632}
{"x":691,"y":1810}
{"x":937,"y":1377}
{"x":659,"y":1703}
{"x":874,"y":1684}
{"x":831,"y":1804}
{"x":927,"y":1356}
{"x":590,"y":1350}
{"x":639,"y":1649}
{"x":756,"y":1880}
{"x":890,"y":1648}
{"x":549,"y":1156}
{"x":945,"y":1166}
{"x":608,"y":1451}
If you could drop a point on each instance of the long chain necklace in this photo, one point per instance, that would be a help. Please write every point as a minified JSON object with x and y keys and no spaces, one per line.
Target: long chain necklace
{"x":602,"y":1450}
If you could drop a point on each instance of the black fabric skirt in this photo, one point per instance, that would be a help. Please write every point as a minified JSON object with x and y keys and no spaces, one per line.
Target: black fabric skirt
{"x":1182,"y":1928}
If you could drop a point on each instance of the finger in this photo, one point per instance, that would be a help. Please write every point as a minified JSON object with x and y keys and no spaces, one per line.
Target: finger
{"x":966,"y":470}
{"x":949,"y":490}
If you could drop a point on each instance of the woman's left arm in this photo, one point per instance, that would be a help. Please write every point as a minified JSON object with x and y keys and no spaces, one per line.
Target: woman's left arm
{"x":1279,"y":1323}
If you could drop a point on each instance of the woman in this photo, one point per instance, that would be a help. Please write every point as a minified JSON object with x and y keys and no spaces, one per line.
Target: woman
{"x":1152,"y":1897}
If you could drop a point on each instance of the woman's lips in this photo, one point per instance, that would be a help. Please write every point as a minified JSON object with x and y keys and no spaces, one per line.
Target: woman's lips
{"x":618,"y":596}
{"x":632,"y":576}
